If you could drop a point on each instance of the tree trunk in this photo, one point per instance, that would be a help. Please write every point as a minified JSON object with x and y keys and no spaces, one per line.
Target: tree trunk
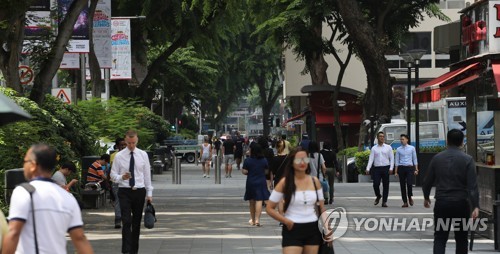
{"x":95,"y":68}
{"x":316,"y":63}
{"x":10,"y":55}
{"x":49,"y":67}
{"x":370,"y":47}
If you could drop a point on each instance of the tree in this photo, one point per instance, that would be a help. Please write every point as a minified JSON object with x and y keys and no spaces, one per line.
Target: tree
{"x":95,"y":69}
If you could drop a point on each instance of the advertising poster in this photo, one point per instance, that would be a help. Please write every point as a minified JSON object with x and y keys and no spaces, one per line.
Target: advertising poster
{"x":121,"y":49}
{"x":102,"y":33}
{"x":79,"y":42}
{"x":38,"y":21}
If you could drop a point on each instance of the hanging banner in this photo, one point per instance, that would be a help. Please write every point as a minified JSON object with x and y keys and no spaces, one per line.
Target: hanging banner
{"x":79,"y":42}
{"x":38,"y":21}
{"x":121,"y":49}
{"x":102,"y":33}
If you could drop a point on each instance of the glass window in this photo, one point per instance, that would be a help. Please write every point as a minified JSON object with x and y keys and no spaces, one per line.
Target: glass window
{"x":429,"y":131}
{"x":452,"y":4}
{"x":392,"y":133}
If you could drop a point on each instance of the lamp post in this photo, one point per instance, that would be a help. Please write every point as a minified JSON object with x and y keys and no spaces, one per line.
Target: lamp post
{"x":412,"y":57}
{"x":409,"y":62}
{"x":417,"y":54}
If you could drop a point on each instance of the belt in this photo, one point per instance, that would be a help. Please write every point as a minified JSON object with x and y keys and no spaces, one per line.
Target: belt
{"x":133,"y":188}
{"x":381,"y":166}
{"x":409,"y":166}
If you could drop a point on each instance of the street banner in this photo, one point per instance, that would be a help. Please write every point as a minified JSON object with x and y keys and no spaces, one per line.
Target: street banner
{"x":102,"y":33}
{"x":79,"y":42}
{"x":121,"y":49}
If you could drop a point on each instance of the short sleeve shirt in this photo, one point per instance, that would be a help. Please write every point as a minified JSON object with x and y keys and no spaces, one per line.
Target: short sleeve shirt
{"x":56,"y":213}
{"x":228,"y":147}
{"x":59,"y":178}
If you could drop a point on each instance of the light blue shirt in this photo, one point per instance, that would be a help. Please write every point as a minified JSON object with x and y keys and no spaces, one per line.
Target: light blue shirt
{"x":406,"y":156}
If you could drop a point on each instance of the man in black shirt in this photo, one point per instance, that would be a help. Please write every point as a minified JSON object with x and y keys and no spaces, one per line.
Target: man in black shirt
{"x":238,"y":152}
{"x":228,"y":148}
{"x":454,"y":174}
{"x":332,"y":167}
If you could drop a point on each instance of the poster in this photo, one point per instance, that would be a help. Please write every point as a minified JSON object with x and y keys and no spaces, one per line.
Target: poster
{"x":79,"y":42}
{"x":121,"y":49}
{"x":102,"y":33}
{"x":38,"y":21}
{"x":70,"y":61}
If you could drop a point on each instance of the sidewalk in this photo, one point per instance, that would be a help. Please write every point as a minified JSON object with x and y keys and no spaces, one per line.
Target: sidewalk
{"x":199,"y":216}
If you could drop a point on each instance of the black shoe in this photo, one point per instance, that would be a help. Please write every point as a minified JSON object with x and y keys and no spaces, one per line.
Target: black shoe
{"x":118,"y":226}
{"x":330,"y":201}
{"x":411,"y":201}
{"x":384,"y":204}
{"x":377,"y":200}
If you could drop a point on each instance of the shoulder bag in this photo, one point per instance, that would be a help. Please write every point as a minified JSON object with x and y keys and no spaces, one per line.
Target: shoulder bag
{"x":323,"y":248}
{"x":31,"y":189}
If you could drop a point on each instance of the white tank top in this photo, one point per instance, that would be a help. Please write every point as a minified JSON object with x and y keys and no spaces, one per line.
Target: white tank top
{"x":206,"y":149}
{"x":301,"y":208}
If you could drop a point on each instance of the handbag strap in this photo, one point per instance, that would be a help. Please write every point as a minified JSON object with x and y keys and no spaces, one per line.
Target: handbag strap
{"x":317,"y":198}
{"x":31,"y":189}
{"x":319,"y":166}
{"x":283,"y":162}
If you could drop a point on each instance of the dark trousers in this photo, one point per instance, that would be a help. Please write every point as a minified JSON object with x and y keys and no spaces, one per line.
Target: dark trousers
{"x":381,"y":173}
{"x":444,"y":209}
{"x":330,"y":173}
{"x":131,"y":204}
{"x":406,"y":176}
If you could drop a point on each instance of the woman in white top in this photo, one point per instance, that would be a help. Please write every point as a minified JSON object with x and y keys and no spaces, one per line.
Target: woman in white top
{"x":206,"y":156}
{"x":301,"y":193}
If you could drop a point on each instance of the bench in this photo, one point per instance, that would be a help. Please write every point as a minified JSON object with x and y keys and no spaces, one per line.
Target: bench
{"x":93,"y":199}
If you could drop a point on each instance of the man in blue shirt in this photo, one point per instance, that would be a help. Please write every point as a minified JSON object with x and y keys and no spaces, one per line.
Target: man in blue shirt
{"x":406,"y":168}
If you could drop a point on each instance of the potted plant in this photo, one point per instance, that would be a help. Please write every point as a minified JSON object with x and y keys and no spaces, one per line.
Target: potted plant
{"x":424,"y":158}
{"x":361,"y":159}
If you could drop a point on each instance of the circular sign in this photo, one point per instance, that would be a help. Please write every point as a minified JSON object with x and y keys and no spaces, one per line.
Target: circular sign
{"x":25,"y":74}
{"x":341,"y":103}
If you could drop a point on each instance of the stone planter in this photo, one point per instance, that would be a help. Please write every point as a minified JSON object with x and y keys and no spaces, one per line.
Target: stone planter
{"x":364,"y":178}
{"x":423,"y":162}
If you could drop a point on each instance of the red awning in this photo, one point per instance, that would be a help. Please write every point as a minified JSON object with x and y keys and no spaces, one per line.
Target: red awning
{"x":431,"y":91}
{"x":294,"y":118}
{"x":495,"y":65}
{"x":345,"y":117}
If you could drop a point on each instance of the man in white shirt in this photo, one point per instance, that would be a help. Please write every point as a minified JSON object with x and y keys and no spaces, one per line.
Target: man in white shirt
{"x":132,"y":171}
{"x":382,"y":160}
{"x":53,"y":210}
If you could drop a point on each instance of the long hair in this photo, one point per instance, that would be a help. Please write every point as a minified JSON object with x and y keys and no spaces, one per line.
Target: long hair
{"x":256,"y":151}
{"x":289,"y":174}
{"x":313,"y":148}
{"x":280,"y":146}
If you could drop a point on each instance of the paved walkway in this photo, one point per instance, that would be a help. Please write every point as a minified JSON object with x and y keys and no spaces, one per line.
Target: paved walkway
{"x":199,"y":216}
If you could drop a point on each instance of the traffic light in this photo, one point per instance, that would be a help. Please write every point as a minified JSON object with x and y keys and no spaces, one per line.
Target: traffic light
{"x":270,"y":121}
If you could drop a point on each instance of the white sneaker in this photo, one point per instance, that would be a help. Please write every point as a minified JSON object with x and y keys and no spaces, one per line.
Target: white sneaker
{"x":204,"y":175}
{"x":208,"y":176}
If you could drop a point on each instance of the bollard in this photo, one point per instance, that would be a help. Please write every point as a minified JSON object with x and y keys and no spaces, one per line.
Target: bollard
{"x":216,"y":164}
{"x":196,"y":157}
{"x":174,"y":170}
{"x":219,"y":162}
{"x":179,"y":171}
{"x":344,"y":166}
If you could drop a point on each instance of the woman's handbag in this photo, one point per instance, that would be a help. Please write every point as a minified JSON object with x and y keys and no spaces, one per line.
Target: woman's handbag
{"x":323,"y":247}
{"x":149,"y":216}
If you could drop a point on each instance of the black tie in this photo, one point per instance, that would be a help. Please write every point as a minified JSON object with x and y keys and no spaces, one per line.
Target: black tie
{"x":131,"y":168}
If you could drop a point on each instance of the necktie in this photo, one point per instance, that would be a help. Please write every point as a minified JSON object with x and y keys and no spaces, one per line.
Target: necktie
{"x":131,"y":169}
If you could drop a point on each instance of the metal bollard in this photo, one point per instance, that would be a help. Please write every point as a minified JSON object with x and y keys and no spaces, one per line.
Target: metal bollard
{"x":179,"y":172}
{"x":174,"y":170}
{"x":219,"y":160}
{"x":344,"y":166}
{"x":196,"y":158}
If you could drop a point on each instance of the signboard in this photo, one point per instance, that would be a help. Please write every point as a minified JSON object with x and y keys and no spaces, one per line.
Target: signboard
{"x":121,"y":49}
{"x":79,"y":42}
{"x":102,"y":33}
{"x":38,"y":21}
{"x":480,"y":29}
{"x":70,"y":61}
{"x":26,"y":74}
{"x":64,"y":94}
{"x":494,"y":26}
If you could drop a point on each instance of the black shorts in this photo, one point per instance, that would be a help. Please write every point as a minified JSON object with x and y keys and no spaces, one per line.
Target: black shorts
{"x":238,"y":154}
{"x":301,"y":234}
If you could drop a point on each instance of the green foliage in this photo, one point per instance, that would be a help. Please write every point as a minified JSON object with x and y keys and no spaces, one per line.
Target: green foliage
{"x":111,"y":119}
{"x":361,"y":160}
{"x":350,"y":152}
{"x":432,"y":149}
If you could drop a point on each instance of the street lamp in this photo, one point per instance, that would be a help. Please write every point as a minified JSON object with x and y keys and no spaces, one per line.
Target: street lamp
{"x":412,"y":57}
{"x":409,"y":64}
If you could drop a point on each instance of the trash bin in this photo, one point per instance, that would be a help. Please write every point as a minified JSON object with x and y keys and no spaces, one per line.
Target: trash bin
{"x":13,"y":177}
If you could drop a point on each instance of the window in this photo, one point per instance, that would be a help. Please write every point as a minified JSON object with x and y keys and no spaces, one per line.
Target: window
{"x":429,"y":131}
{"x":414,"y":40}
{"x":451,"y":4}
{"x":392,"y":133}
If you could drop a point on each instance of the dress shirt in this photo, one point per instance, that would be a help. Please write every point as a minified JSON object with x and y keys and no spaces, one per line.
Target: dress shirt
{"x":380,"y":156}
{"x":142,"y":170}
{"x":406,"y":156}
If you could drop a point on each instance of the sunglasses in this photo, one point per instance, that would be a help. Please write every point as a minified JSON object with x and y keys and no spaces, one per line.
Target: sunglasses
{"x":299,"y":160}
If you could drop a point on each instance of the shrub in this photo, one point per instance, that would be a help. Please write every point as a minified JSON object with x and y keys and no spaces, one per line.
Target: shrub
{"x":432,"y":149}
{"x":361,"y":160}
{"x":349,"y":152}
